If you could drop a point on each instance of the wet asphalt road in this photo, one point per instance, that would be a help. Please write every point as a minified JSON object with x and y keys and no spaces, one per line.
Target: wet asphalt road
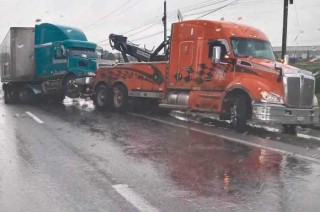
{"x":75,"y":158}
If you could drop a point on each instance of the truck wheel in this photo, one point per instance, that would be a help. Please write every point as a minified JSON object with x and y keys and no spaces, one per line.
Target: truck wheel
{"x":239,"y":113}
{"x":102,"y":97}
{"x":289,"y":129}
{"x":120,"y":98}
{"x":7,"y":99}
{"x":10,"y":95}
{"x":25,"y":95}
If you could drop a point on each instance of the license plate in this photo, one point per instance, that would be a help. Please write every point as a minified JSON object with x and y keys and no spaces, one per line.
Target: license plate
{"x":300,"y":119}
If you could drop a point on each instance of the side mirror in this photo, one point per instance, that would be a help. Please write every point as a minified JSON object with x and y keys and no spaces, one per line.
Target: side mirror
{"x":60,"y":52}
{"x":216,"y":54}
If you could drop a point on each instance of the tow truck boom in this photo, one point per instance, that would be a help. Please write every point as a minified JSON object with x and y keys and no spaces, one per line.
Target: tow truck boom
{"x":121,"y":43}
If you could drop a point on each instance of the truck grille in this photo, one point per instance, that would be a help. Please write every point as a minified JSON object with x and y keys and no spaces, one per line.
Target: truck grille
{"x":300,"y":91}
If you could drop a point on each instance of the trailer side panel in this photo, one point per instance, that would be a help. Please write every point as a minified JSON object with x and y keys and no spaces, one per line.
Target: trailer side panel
{"x":17,"y":55}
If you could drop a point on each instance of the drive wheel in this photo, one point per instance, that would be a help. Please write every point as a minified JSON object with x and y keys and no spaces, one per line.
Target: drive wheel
{"x":102,"y":97}
{"x":239,"y":113}
{"x":7,"y":99}
{"x":10,"y":95}
{"x":25,"y":95}
{"x":120,"y":98}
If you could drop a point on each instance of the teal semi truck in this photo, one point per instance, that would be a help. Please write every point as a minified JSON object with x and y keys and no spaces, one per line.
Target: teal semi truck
{"x":46,"y":60}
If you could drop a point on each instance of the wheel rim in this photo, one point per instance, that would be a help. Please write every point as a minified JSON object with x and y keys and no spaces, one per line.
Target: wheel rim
{"x":101,"y":98}
{"x":118,"y":98}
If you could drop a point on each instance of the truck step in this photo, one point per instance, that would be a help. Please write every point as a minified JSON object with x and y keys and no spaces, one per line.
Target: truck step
{"x":179,"y":107}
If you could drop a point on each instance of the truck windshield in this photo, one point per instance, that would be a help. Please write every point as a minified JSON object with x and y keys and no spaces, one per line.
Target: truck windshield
{"x":82,"y":52}
{"x":245,"y":47}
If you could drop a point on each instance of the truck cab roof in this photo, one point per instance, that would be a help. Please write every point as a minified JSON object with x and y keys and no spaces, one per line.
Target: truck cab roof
{"x":46,"y":33}
{"x":208,"y":29}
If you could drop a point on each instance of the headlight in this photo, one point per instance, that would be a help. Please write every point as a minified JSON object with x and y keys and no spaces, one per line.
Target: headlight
{"x":271,"y":97}
{"x":315,"y":101}
{"x":91,"y":74}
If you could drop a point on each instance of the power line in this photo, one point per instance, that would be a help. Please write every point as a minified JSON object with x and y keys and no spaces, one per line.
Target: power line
{"x":106,"y":16}
{"x":145,"y":24}
{"x":214,"y":10}
{"x":298,"y":23}
{"x":148,"y":36}
{"x":172,"y":14}
{"x":150,"y":26}
{"x":197,"y":7}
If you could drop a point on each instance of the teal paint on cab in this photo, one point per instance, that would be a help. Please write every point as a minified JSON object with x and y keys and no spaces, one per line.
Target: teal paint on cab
{"x":52,"y":46}
{"x":45,"y":33}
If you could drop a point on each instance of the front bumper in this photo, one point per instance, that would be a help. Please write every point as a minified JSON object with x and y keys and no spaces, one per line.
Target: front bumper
{"x":85,"y":86}
{"x":280,"y":114}
{"x":84,"y":81}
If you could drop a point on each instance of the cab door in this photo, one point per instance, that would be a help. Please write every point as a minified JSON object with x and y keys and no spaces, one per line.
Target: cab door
{"x":216,"y":76}
{"x":186,"y":62}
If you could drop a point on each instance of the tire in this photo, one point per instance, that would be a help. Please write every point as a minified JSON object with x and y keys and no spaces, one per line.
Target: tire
{"x":289,"y":129}
{"x":239,"y":113}
{"x":102,"y":97}
{"x":7,"y":99}
{"x":120,"y":98}
{"x":25,"y":95}
{"x":10,"y":94}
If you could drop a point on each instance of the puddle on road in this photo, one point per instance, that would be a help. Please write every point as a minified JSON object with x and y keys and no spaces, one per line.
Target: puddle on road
{"x":214,"y":168}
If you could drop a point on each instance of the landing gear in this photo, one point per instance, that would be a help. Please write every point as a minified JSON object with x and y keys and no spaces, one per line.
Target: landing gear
{"x":239,"y":113}
{"x":120,"y":98}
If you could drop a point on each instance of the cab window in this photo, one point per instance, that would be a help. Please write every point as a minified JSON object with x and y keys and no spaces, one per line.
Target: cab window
{"x":222,"y":43}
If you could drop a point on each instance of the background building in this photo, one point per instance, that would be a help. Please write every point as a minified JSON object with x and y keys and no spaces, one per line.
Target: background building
{"x":298,"y":53}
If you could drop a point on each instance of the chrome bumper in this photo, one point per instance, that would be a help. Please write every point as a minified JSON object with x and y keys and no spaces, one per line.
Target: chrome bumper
{"x":280,"y":114}
{"x":84,"y":81}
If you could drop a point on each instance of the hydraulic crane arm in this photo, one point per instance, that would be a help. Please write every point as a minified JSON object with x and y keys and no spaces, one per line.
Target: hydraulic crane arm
{"x":120,"y":43}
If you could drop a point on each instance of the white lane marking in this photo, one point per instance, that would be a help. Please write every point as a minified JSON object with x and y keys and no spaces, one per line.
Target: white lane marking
{"x":133,"y":198}
{"x":308,"y":136}
{"x":232,"y":139}
{"x":34,"y":117}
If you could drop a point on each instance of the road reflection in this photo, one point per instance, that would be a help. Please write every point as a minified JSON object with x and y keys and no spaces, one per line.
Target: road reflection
{"x":215,"y":168}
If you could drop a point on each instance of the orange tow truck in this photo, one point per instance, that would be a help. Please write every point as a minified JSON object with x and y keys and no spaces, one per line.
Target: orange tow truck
{"x":211,"y":67}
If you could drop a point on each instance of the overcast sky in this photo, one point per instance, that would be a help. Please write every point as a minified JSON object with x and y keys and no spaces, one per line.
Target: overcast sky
{"x":99,"y":18}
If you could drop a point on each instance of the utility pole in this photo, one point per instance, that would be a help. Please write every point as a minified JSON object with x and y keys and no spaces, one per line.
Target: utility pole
{"x":164,"y":20}
{"x":285,"y":27}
